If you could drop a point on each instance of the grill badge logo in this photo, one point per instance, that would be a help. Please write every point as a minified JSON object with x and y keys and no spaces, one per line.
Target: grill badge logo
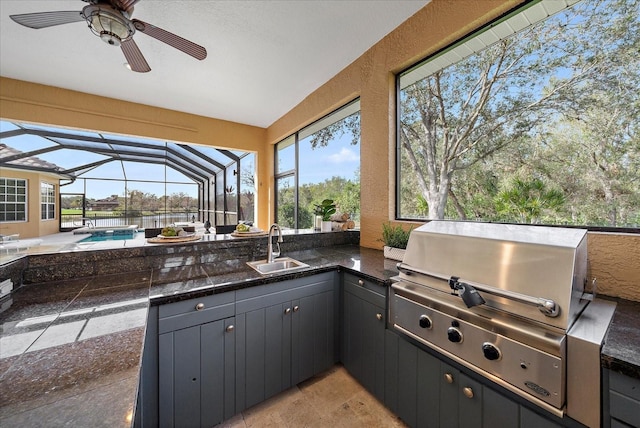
{"x":537,"y":388}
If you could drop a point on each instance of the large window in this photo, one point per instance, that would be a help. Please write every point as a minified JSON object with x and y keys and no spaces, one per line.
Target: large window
{"x":321,"y":161}
{"x":47,"y":201}
{"x":13,"y":199}
{"x":533,"y":119}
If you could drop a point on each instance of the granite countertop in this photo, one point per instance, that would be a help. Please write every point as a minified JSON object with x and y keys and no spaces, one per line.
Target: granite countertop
{"x":621,"y":349}
{"x":70,"y":354}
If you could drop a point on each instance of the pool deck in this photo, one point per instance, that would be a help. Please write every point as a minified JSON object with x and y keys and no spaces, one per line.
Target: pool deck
{"x":69,"y":242}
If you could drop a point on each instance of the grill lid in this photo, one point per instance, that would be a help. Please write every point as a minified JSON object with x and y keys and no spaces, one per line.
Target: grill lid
{"x":534,"y":272}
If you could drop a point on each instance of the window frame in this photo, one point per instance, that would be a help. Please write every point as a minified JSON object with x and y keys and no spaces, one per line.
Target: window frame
{"x":47,"y":201}
{"x":25,"y":185}
{"x":286,"y":174}
{"x":474,"y":34}
{"x":341,"y":112}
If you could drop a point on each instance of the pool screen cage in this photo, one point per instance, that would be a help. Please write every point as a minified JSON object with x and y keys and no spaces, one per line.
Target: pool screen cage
{"x":224,"y":178}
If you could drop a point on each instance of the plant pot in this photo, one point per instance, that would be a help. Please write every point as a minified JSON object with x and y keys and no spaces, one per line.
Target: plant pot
{"x":394,"y":253}
{"x":326,"y":226}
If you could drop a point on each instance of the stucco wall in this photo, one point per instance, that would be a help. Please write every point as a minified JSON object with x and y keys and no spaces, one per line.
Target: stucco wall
{"x":40,"y":104}
{"x":614,"y":261}
{"x":614,"y":258}
{"x":34,"y":227}
{"x":371,"y":77}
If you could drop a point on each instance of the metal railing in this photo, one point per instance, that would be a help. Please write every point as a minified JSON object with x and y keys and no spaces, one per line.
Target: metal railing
{"x":107,"y":219}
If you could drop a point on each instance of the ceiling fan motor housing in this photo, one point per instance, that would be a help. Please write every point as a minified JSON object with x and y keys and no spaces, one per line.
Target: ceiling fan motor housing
{"x":110,"y":24}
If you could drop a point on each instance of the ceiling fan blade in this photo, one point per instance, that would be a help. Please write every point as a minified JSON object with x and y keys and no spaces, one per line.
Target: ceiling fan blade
{"x":47,"y":19}
{"x":171,"y":39}
{"x":134,"y":56}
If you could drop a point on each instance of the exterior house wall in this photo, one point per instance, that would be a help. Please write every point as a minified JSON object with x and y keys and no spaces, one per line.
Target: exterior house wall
{"x":33,"y":227}
{"x":47,"y":105}
{"x":613,"y":257}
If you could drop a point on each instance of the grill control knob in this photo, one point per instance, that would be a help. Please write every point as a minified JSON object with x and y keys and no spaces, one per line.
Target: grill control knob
{"x":425,"y":321}
{"x":454,"y":335}
{"x":491,"y":351}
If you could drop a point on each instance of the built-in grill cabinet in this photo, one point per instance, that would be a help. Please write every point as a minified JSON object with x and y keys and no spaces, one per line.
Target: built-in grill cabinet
{"x":503,"y":300}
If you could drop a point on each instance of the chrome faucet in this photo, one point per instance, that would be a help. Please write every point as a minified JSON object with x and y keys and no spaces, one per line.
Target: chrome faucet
{"x":271,"y":255}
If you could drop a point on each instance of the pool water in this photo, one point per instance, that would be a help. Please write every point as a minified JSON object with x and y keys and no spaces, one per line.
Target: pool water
{"x":111,"y":237}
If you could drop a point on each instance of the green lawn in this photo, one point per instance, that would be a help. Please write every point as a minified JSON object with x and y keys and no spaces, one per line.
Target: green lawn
{"x":71,"y":211}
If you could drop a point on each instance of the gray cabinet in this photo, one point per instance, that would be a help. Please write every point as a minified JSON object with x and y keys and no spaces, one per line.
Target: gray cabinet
{"x":412,"y":380}
{"x":461,"y":399}
{"x":364,"y":304}
{"x":425,"y":391}
{"x":285,"y":334}
{"x":196,"y":362}
{"x":624,"y":399}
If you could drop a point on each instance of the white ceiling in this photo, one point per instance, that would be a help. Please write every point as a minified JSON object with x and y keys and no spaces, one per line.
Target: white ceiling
{"x":264,"y":57}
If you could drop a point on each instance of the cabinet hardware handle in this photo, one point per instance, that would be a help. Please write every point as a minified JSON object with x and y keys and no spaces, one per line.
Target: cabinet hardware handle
{"x":296,"y":308}
{"x":199,"y":306}
{"x":229,"y":328}
{"x":379,"y":317}
{"x":361,"y":282}
{"x":468,"y":392}
{"x":448,"y":377}
{"x":287,"y":311}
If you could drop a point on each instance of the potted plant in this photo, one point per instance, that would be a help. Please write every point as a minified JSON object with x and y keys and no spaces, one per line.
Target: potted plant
{"x":325,"y":210}
{"x":395,"y":240}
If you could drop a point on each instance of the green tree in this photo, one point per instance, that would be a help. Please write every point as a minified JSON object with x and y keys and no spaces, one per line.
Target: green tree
{"x":458,"y":122}
{"x":528,"y":200}
{"x":348,"y":125}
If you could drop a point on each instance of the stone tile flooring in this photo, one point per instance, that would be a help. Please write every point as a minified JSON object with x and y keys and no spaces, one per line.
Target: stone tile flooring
{"x":333,"y":399}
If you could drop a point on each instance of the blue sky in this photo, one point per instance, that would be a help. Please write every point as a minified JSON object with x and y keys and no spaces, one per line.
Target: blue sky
{"x":339,"y":158}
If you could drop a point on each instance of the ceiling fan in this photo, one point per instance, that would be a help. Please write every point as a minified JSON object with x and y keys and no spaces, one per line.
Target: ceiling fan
{"x":111,"y":21}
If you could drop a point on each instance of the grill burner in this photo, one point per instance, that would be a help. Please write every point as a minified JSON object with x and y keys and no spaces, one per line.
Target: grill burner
{"x":509,"y":302}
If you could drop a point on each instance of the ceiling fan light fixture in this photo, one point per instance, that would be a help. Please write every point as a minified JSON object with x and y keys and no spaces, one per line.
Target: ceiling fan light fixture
{"x":108,"y":24}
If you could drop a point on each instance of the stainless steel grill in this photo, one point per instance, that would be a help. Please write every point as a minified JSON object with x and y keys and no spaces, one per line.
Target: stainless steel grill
{"x":503,"y":300}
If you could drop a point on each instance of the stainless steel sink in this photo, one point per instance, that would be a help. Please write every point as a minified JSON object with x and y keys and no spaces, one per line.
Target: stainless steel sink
{"x":279,"y":265}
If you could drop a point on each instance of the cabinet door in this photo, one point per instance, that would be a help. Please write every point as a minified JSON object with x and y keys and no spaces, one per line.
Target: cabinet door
{"x":312,"y":335}
{"x":471,"y":397}
{"x":498,"y":410}
{"x":412,"y":382}
{"x":624,"y":398}
{"x":196,"y":375}
{"x":285,"y":334}
{"x":530,"y":419}
{"x":460,"y":399}
{"x":265,"y":338}
{"x":364,"y":332}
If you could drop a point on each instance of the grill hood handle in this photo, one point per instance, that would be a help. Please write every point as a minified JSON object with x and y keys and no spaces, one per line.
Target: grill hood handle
{"x":547,"y":306}
{"x":470,"y":295}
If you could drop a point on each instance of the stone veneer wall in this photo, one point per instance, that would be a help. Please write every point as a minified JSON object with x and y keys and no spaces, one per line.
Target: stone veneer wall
{"x":225,"y":256}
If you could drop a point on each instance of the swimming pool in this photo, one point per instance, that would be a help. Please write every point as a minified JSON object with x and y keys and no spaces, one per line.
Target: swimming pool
{"x":111,"y":237}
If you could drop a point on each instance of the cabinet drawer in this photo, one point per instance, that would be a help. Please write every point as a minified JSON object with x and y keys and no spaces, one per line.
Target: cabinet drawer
{"x":624,"y":398}
{"x":367,"y":284}
{"x":625,"y":385}
{"x":624,"y":408}
{"x":365,"y":293}
{"x":179,"y":315}
{"x":262,"y":296}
